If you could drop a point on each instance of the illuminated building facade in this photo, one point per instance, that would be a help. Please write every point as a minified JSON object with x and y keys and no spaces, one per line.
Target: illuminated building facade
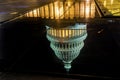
{"x":109,"y":7}
{"x":67,"y":42}
{"x":64,"y":10}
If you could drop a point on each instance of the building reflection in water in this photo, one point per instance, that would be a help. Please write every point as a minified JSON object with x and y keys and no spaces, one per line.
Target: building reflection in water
{"x":64,"y":10}
{"x":67,"y":42}
{"x":109,"y":7}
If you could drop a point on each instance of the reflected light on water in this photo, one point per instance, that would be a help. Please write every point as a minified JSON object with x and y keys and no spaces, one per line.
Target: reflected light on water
{"x":111,"y":2}
{"x":66,"y":33}
{"x":87,"y":10}
{"x":67,"y":42}
{"x":104,"y":2}
{"x":64,"y":10}
{"x":110,"y":7}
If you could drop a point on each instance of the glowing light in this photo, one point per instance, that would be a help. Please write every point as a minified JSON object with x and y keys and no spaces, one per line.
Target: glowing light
{"x":111,"y":2}
{"x":87,"y":0}
{"x":64,"y":10}
{"x":42,"y":12}
{"x":14,"y":13}
{"x":87,"y":11}
{"x":105,"y":3}
{"x":77,"y":9}
{"x":35,"y":12}
{"x":110,"y":7}
{"x":46,"y":11}
{"x":82,"y":10}
{"x":51,"y":11}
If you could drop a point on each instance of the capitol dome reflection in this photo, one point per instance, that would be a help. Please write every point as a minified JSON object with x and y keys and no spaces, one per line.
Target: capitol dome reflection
{"x":67,"y":42}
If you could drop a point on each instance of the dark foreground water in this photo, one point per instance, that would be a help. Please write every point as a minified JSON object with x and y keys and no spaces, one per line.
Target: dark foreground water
{"x":25,"y":50}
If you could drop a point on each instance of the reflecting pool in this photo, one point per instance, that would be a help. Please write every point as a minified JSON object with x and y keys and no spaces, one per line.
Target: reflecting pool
{"x":67,"y":42}
{"x":62,"y":35}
